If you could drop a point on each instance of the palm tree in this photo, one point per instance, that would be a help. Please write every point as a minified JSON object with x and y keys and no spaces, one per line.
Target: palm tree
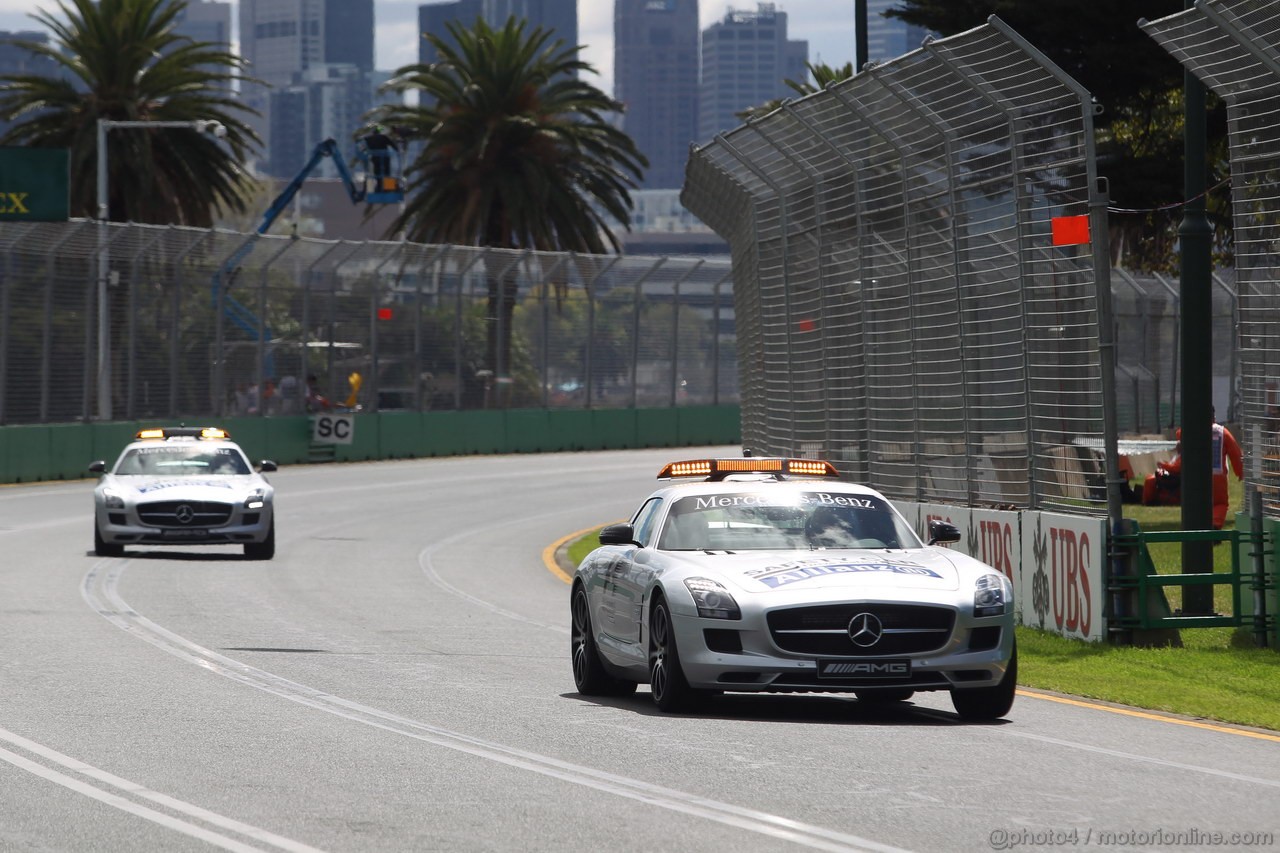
{"x":823,"y":76}
{"x":517,"y":152}
{"x":121,"y":60}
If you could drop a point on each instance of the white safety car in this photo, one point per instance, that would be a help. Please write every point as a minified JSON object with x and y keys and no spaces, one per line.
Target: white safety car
{"x":769,"y":574}
{"x":183,"y":486}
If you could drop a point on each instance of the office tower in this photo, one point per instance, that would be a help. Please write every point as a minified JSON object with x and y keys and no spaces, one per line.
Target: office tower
{"x":326,"y":102}
{"x":655,"y":68}
{"x":559,"y":16}
{"x":205,"y":21}
{"x":745,"y":59}
{"x":889,"y":38}
{"x":297,"y":43}
{"x":434,"y":18}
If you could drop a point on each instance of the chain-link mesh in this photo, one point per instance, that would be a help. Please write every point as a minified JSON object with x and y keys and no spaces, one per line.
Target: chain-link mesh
{"x":902,"y":307}
{"x":210,"y":322}
{"x":1231,"y":45}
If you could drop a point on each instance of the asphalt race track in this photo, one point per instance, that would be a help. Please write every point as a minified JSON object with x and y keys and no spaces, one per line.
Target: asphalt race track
{"x":398,"y":679}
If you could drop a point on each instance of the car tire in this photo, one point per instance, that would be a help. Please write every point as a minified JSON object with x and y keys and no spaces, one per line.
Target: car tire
{"x":989,"y":703}
{"x":102,"y":547}
{"x":670,"y":688}
{"x":589,"y":674}
{"x":883,"y":697}
{"x":264,"y":550}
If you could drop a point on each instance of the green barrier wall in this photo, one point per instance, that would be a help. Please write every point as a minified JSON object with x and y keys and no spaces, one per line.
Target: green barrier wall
{"x":64,"y":451}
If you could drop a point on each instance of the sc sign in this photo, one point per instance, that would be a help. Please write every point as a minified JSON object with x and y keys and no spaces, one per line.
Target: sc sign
{"x":332,"y":429}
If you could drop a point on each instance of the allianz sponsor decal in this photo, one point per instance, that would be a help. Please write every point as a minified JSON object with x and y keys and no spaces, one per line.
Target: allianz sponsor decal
{"x":816,"y":567}
{"x":169,"y":484}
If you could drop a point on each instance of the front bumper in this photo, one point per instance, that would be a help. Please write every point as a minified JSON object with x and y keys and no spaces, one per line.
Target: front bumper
{"x":741,"y":655}
{"x":122,"y":527}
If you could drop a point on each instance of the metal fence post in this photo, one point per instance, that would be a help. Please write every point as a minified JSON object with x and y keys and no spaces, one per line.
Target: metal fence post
{"x":635,"y":330}
{"x":261,"y":348}
{"x":131,"y":370}
{"x":6,"y":286}
{"x":175,"y":326}
{"x":46,"y":347}
{"x":785,"y":242}
{"x":715,"y":338}
{"x":675,"y":327}
{"x":458,"y":326}
{"x":591,"y":327}
{"x":908,"y":248}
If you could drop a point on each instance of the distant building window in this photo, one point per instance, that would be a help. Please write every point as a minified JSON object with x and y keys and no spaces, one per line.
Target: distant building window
{"x":661,"y":35}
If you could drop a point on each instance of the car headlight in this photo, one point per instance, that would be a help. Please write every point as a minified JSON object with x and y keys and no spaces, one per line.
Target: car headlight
{"x":256,"y":500}
{"x":713,"y":600}
{"x":112,"y":500}
{"x":992,"y":595}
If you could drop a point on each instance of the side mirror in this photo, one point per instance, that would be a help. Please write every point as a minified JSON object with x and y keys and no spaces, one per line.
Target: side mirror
{"x":97,"y":467}
{"x":266,"y":466}
{"x":618,"y":534}
{"x":942,"y":532}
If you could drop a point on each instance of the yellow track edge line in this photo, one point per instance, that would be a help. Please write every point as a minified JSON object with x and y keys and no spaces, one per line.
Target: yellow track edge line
{"x":1150,"y":715}
{"x":549,"y":553}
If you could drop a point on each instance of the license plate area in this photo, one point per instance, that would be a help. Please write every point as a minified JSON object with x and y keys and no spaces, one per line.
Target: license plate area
{"x":873,"y":669}
{"x":186,"y":535}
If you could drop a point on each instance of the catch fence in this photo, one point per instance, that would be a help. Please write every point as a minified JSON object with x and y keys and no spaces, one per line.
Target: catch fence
{"x":1233,"y":46}
{"x":193,"y":323}
{"x":905,"y":304}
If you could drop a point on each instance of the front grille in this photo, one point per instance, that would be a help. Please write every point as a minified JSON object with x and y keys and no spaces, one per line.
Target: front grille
{"x":824,"y":630}
{"x":200,"y":513}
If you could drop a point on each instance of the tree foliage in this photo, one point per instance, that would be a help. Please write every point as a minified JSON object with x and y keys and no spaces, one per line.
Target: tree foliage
{"x":513,"y":152}
{"x":823,"y":75}
{"x":516,"y":151}
{"x":1137,"y":84}
{"x":121,"y":60}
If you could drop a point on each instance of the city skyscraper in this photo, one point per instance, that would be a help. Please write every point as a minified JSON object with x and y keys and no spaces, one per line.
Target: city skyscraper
{"x":434,"y":18}
{"x":207,"y":21}
{"x":559,"y":16}
{"x":745,"y":59}
{"x":655,"y":69}
{"x":318,"y":46}
{"x":889,"y":38}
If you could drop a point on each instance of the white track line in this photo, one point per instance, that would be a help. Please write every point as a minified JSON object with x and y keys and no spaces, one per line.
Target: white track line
{"x":100,"y":591}
{"x":126,"y":805}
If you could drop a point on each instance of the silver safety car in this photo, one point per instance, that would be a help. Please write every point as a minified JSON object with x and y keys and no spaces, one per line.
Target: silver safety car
{"x":183,"y":486}
{"x":769,"y":574}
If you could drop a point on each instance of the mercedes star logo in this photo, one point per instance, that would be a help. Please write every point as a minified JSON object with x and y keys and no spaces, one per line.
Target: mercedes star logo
{"x":185,"y":515}
{"x":865,"y":630}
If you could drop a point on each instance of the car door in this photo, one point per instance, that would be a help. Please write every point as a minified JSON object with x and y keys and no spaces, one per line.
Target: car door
{"x":630,"y":575}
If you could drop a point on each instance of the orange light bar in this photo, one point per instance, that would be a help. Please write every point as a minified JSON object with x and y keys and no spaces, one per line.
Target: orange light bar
{"x":749,"y":464}
{"x":715,"y":469}
{"x":692,"y":468}
{"x":214,"y":432}
{"x":811,"y":467}
{"x":149,"y":433}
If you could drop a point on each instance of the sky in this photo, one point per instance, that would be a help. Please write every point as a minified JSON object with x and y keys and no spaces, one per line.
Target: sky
{"x":826,"y":24}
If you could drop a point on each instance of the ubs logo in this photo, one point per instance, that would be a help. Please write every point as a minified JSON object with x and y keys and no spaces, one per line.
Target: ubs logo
{"x":865,"y":630}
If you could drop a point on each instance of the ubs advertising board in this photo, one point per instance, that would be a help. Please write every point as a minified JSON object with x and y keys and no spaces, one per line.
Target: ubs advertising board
{"x":1063,"y":564}
{"x":1055,"y":562}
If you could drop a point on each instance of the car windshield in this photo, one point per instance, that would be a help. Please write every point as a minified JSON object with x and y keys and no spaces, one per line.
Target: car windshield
{"x":804,"y":521}
{"x":182,"y":461}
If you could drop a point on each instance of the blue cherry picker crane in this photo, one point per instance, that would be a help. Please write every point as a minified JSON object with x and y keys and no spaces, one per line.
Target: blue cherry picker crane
{"x":380,"y":183}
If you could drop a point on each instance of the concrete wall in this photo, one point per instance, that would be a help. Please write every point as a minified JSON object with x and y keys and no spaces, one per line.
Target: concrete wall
{"x":64,"y":451}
